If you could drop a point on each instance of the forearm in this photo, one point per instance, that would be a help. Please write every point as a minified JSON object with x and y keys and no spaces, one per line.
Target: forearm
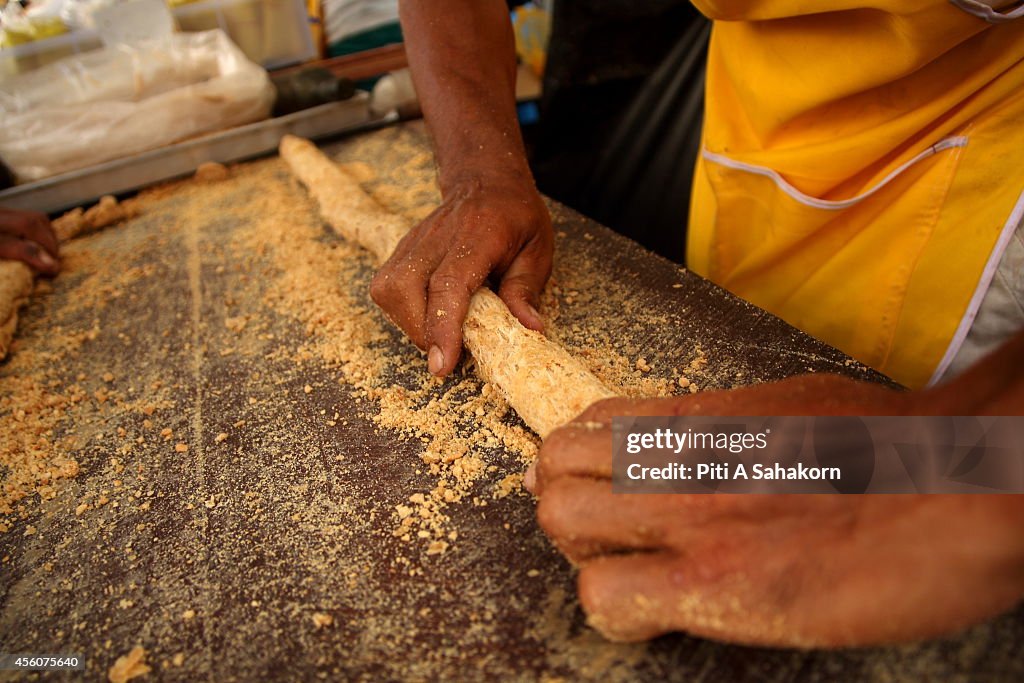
{"x":462,"y":56}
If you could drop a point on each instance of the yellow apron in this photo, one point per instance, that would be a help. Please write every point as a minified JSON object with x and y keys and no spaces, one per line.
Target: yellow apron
{"x":863,"y":168}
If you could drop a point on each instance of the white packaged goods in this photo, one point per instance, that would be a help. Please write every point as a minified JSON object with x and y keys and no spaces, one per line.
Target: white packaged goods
{"x":120,"y":100}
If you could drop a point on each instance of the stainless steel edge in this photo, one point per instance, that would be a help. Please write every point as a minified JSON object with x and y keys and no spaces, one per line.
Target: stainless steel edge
{"x":145,"y":168}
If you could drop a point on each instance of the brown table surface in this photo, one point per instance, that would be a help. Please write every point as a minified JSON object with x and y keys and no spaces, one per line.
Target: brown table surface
{"x":283,"y":506}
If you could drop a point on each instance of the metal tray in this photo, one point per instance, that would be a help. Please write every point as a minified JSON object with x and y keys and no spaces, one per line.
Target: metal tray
{"x":85,"y":185}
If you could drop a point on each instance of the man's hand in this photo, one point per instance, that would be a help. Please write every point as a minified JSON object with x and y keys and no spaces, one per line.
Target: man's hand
{"x":492,"y":222}
{"x":27,"y":236}
{"x":494,"y":226}
{"x":786,"y":570}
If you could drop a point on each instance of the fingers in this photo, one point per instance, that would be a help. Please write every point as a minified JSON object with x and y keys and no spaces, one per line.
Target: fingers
{"x":583,"y":447}
{"x":632,"y":597}
{"x":400,"y":286}
{"x":426,"y":286}
{"x":522,"y":282}
{"x":584,"y":519}
{"x":28,"y":237}
{"x":28,"y":252}
{"x":641,"y":596}
{"x":39,"y":230}
{"x":461,"y":272}
{"x":574,"y":450}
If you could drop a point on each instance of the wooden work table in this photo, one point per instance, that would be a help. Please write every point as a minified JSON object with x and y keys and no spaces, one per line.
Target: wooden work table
{"x":264,"y":547}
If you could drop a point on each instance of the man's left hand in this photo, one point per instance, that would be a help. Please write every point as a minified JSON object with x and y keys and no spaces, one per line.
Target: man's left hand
{"x":28,"y":237}
{"x":803,"y":571}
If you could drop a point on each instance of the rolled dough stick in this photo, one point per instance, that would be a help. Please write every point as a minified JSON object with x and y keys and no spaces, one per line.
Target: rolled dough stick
{"x":15,"y":288}
{"x":545,"y":384}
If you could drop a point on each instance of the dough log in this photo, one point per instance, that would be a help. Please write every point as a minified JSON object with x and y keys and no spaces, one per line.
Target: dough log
{"x":15,"y":288}
{"x":545,"y":384}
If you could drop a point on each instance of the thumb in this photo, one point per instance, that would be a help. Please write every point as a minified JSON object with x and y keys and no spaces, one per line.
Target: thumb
{"x":29,"y":253}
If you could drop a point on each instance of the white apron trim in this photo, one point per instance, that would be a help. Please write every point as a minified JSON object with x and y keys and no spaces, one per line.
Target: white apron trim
{"x":831,"y":205}
{"x":1015,"y":220}
{"x":984,"y":11}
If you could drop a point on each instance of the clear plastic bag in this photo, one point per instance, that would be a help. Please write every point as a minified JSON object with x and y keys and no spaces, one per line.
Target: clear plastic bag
{"x":121,"y":100}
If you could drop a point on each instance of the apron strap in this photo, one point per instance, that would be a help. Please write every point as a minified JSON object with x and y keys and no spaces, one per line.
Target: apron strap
{"x":983,"y":10}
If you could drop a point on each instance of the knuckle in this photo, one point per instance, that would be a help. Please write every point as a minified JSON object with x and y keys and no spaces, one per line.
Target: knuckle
{"x":380,"y":287}
{"x":599,"y":411}
{"x":554,"y":446}
{"x":447,"y":283}
{"x":390,"y":286}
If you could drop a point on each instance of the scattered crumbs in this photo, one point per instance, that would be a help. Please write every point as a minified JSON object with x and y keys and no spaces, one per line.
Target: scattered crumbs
{"x":236,"y":324}
{"x":180,"y":447}
{"x":508,"y":484}
{"x":437,"y":547}
{"x":129,"y":666}
{"x":220,"y":437}
{"x":211,"y":172}
{"x":322,"y":620}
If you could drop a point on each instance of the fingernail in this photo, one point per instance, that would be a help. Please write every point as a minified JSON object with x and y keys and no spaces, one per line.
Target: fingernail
{"x":536,"y":316}
{"x":47,"y":260}
{"x":435,"y":360}
{"x":530,"y":478}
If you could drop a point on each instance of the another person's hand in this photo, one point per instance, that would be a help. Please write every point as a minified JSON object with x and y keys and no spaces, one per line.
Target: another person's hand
{"x":781,"y":570}
{"x":488,"y":226}
{"x":28,"y":237}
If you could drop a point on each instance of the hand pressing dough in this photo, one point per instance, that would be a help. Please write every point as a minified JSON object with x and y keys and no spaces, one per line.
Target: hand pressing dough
{"x":16,"y":277}
{"x":545,"y":384}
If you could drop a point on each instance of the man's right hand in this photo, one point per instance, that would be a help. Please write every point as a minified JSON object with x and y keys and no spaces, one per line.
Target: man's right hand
{"x":489,"y":225}
{"x":492,"y":222}
{"x":28,"y":237}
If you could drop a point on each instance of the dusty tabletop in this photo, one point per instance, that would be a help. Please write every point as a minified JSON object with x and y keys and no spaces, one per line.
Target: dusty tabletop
{"x":219,"y":461}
